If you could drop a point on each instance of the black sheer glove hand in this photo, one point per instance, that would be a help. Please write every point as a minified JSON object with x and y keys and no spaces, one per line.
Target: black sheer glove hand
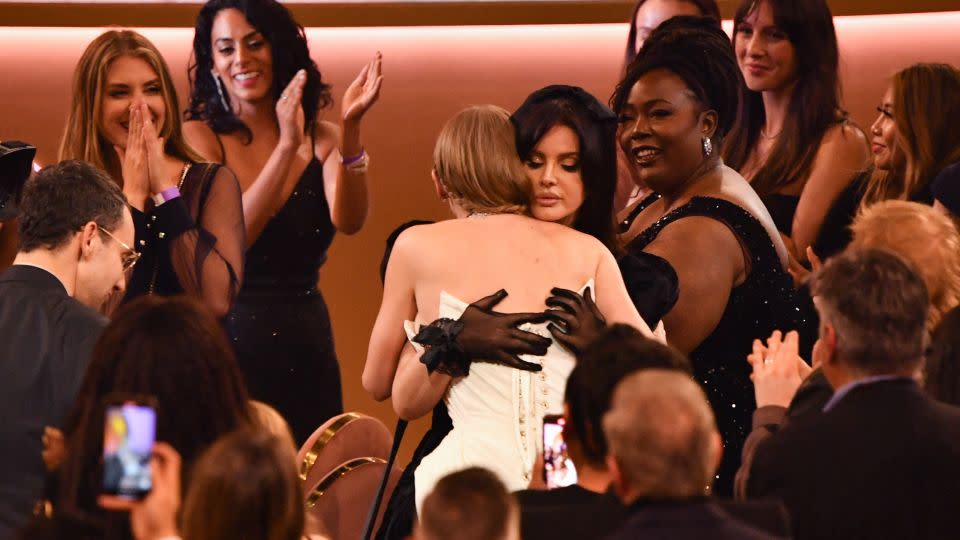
{"x":577,"y":321}
{"x":482,"y":335}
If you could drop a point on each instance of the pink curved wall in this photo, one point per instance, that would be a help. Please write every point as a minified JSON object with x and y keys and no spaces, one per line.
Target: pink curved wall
{"x":430,"y":73}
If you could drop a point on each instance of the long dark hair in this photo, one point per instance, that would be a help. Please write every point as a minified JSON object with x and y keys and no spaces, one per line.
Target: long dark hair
{"x":814,"y":105}
{"x":170,"y":348}
{"x":290,"y":54}
{"x":596,"y":129}
{"x":708,"y":8}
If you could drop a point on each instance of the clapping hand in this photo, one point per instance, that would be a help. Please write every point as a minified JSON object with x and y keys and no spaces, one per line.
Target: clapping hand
{"x":778,"y":369}
{"x":363,"y":91}
{"x":577,"y":321}
{"x":290,"y":112}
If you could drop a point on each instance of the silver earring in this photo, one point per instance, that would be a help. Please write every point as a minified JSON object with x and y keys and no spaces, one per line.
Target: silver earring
{"x":707,"y":147}
{"x":223,"y":99}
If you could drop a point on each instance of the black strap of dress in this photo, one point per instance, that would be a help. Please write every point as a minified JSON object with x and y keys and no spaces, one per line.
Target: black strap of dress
{"x":748,"y":229}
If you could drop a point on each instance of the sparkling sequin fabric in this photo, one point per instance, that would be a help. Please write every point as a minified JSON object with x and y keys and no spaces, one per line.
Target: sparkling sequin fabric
{"x":764,"y":302}
{"x":279,"y":324}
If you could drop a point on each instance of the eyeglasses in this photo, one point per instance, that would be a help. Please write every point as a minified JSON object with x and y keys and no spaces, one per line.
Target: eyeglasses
{"x":130,"y":256}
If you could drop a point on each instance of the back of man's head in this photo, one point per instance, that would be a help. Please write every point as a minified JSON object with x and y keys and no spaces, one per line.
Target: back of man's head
{"x":616,"y":353}
{"x":877,"y":306}
{"x":471,"y":504}
{"x":662,"y":436}
{"x":59,"y":200}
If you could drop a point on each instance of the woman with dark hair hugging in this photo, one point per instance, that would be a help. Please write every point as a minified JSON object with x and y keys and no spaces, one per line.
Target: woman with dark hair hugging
{"x":675,"y":104}
{"x":791,"y":140}
{"x":255,"y":102}
{"x":498,"y":409}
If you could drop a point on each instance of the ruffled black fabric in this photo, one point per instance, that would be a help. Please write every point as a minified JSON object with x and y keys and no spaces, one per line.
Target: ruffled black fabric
{"x":651,"y":283}
{"x":444,"y":354}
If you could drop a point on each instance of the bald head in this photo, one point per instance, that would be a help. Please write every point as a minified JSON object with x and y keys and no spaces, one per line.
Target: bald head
{"x":662,"y":436}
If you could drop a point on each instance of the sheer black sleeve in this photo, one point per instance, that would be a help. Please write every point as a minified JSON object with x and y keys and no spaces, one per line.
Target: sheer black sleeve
{"x":206,"y":252}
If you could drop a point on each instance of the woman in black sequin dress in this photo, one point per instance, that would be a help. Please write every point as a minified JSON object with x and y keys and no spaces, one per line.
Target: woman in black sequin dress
{"x":675,"y":104}
{"x":255,"y":101}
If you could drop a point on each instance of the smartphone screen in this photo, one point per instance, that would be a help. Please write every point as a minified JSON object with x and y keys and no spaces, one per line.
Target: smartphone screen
{"x":128,"y":436}
{"x":558,"y":469}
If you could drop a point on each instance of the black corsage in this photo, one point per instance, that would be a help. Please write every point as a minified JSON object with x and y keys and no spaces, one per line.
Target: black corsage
{"x":443,"y":353}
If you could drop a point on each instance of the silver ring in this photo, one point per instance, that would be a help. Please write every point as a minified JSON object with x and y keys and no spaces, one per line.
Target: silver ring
{"x":768,"y":360}
{"x":283,"y":97}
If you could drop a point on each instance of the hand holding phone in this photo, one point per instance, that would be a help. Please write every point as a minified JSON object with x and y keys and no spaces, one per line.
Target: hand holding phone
{"x":129,"y":433}
{"x":558,"y":468}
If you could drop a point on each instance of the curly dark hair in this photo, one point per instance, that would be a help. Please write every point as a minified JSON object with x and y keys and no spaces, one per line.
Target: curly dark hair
{"x":700,"y":53}
{"x":596,"y":129}
{"x":290,"y":54}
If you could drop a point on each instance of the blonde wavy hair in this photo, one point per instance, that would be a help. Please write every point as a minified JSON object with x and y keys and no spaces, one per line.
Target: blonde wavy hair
{"x":925,"y":238}
{"x":476,"y":162}
{"x":926,"y":112}
{"x":82,"y":138}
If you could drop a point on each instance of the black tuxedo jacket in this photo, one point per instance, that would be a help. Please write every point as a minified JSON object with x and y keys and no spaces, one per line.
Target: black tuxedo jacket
{"x":884,"y":462}
{"x":45,"y":342}
{"x":574,"y":512}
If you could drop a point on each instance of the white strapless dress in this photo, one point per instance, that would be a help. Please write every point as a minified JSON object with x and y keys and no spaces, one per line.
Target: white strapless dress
{"x":497,"y":413}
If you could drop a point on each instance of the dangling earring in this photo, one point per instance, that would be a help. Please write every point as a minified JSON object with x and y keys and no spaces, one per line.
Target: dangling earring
{"x":223,"y":99}
{"x":707,"y":147}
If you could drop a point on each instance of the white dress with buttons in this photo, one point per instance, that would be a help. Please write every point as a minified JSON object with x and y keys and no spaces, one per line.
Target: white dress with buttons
{"x":497,"y":413}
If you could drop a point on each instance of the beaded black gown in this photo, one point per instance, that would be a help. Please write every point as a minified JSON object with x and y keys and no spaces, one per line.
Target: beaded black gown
{"x":764,"y":302}
{"x":279,"y":324}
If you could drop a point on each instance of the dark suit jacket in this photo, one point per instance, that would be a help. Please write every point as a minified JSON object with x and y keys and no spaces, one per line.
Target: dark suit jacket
{"x":574,"y":512}
{"x":884,"y":462}
{"x":45,"y":342}
{"x":699,"y":519}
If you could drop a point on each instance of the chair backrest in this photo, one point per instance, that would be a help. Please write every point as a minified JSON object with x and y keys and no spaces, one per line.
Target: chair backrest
{"x":341,"y":466}
{"x":339,"y":440}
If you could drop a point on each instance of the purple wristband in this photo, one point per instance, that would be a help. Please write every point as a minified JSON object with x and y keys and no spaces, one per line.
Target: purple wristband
{"x":354,"y":159}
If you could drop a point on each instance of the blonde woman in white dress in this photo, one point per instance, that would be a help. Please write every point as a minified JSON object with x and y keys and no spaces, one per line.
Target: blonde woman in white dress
{"x":436,"y":270}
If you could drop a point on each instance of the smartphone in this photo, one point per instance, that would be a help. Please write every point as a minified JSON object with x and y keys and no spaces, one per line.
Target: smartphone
{"x":129,"y":432}
{"x":558,"y":469}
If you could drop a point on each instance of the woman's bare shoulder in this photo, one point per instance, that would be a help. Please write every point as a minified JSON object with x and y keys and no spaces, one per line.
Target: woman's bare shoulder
{"x":845,"y":142}
{"x":203,"y":140}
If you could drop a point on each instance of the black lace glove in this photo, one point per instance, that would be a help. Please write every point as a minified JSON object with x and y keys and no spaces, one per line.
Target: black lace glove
{"x":577,"y":321}
{"x":481,"y":335}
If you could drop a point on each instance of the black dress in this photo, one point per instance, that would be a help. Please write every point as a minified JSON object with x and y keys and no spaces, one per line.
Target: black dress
{"x":279,"y":323}
{"x":764,"y":302}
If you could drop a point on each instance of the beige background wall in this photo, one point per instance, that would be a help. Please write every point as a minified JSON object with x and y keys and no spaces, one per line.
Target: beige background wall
{"x":430,"y":73}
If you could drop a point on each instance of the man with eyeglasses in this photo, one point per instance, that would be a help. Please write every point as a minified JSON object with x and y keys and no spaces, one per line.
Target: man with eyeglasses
{"x":75,"y":231}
